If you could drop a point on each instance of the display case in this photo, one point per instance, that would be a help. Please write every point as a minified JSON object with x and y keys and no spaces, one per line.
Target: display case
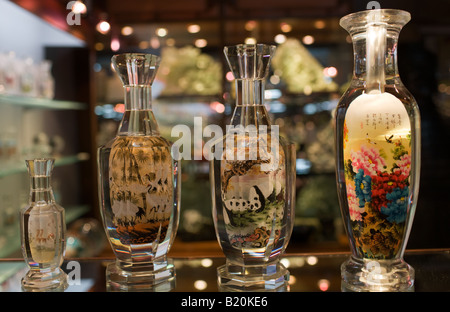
{"x":54,"y":122}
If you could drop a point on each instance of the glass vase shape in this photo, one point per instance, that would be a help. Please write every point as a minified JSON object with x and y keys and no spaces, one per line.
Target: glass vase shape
{"x":377,"y":156}
{"x":252,"y":182}
{"x":42,"y":228}
{"x":139,"y":186}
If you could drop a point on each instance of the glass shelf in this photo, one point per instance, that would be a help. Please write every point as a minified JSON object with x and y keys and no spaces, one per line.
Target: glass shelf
{"x":13,"y":168}
{"x":32,"y":102}
{"x":309,"y":272}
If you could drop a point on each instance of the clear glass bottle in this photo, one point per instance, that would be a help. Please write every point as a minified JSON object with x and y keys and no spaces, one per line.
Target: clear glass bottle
{"x":139,"y":186}
{"x":43,"y":232}
{"x":252,"y":180}
{"x":378,"y":156}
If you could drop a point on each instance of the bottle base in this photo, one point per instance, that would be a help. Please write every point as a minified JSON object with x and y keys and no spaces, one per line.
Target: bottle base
{"x":368,"y":275}
{"x":37,"y":281}
{"x":154,"y":276}
{"x":271,"y":278}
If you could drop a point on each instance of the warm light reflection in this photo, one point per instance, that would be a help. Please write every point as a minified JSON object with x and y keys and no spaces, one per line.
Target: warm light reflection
{"x":207,"y":262}
{"x":119,"y":108}
{"x":307,"y":90}
{"x":292,"y":280}
{"x":200,"y":285}
{"x":79,"y":7}
{"x":201,"y":43}
{"x":319,"y":24}
{"x":217,"y":106}
{"x":308,"y":40}
{"x":99,"y":46}
{"x":311,"y":260}
{"x":161,"y":32}
{"x":285,"y":27}
{"x":127,"y":30}
{"x":115,"y":44}
{"x":274,"y":79}
{"x":251,"y":25}
{"x":229,"y":76}
{"x":323,"y":284}
{"x":193,"y":28}
{"x":154,"y":43}
{"x":250,"y":40}
{"x":280,"y":38}
{"x":330,"y":71}
{"x":103,"y":27}
{"x":285,"y":262}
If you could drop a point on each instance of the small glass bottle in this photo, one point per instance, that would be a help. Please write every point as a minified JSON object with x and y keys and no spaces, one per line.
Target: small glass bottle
{"x":43,"y":232}
{"x":252,"y":181}
{"x":378,"y":156}
{"x":139,"y":186}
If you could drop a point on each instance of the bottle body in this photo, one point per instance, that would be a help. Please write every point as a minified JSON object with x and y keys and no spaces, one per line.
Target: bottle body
{"x":252,"y":181}
{"x":378,"y":171}
{"x":253,"y":195}
{"x":43,"y":232}
{"x":377,"y":156}
{"x":139,"y":185}
{"x":139,"y":196}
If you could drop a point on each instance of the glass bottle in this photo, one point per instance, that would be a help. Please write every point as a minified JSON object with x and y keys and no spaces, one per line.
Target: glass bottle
{"x":43,"y":227}
{"x":139,"y":186}
{"x":378,"y":156}
{"x":252,"y":181}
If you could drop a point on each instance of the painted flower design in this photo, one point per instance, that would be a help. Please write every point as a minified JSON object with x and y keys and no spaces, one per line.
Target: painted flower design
{"x":377,"y":196}
{"x":369,"y":160}
{"x":383,"y":184}
{"x":397,"y":205}
{"x":404,"y":165}
{"x":353,"y":203}
{"x":363,"y":187}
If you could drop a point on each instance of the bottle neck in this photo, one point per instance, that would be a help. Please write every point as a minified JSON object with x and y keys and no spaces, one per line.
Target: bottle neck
{"x":41,"y":190}
{"x":375,"y":58}
{"x":250,"y":109}
{"x":138,"y":118}
{"x":249,"y":92}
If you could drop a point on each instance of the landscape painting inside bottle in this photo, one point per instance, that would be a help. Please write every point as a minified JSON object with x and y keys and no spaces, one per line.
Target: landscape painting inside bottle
{"x":253,"y":192}
{"x":141,"y":189}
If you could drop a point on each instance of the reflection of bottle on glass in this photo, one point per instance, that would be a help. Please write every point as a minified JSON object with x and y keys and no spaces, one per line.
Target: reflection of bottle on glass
{"x":42,"y":232}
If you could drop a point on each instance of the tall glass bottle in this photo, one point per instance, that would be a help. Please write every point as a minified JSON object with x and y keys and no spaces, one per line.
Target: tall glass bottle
{"x":378,"y":156}
{"x":252,"y":181}
{"x":138,"y":186}
{"x":42,"y":227}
